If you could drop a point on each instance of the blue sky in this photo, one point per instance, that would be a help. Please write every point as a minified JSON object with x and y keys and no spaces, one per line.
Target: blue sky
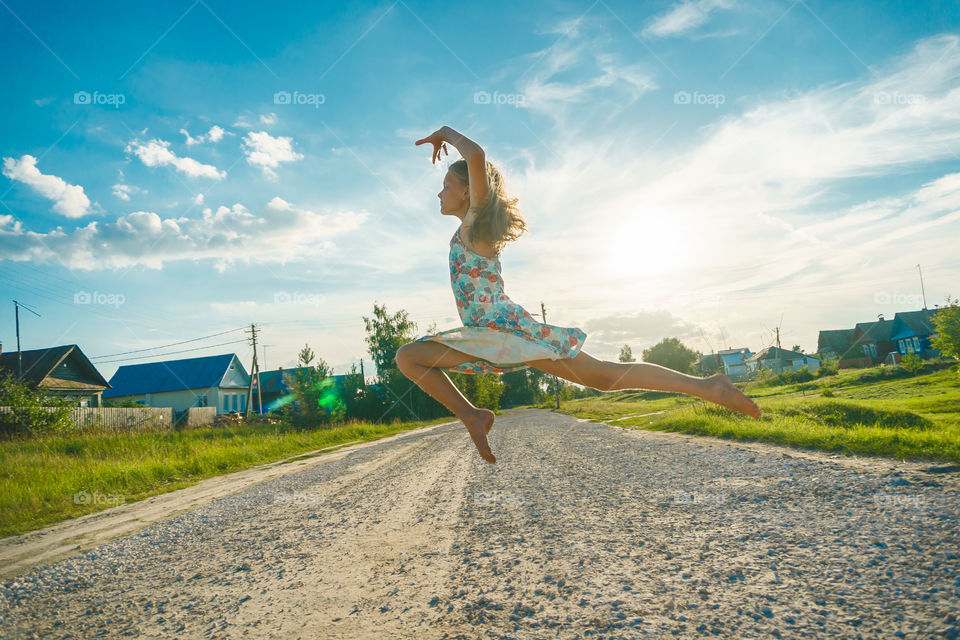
{"x":706,"y":169}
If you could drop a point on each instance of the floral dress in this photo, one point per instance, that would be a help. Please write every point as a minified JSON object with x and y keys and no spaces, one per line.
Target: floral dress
{"x":498,"y":331}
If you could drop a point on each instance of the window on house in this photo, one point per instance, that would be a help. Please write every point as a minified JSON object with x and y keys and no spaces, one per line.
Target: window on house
{"x":916,"y":344}
{"x":243,"y":403}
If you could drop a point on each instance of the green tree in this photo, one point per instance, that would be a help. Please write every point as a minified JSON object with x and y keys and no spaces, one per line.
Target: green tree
{"x":483,"y":390}
{"x":796,"y":348}
{"x":126,"y":403}
{"x":30,"y":411}
{"x":828,"y":367}
{"x":672,"y":353}
{"x":946,"y":324}
{"x":911,"y":363}
{"x":527,"y":386}
{"x":316,"y":397}
{"x":399,"y":397}
{"x":626,"y":354}
{"x":359,"y":399}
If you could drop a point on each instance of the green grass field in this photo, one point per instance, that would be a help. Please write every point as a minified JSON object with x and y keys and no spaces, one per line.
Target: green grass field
{"x":40,"y":476}
{"x":873,"y":411}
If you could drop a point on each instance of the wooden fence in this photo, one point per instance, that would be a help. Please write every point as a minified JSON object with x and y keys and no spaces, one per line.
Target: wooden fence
{"x":194,"y":417}
{"x":123,"y":418}
{"x":118,"y":418}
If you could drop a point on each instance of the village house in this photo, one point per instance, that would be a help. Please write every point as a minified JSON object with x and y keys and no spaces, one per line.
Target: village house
{"x":872,"y":341}
{"x":777,"y":360}
{"x":834,"y":343}
{"x":912,"y":331}
{"x":210,"y":381}
{"x":733,"y":362}
{"x":59,"y":372}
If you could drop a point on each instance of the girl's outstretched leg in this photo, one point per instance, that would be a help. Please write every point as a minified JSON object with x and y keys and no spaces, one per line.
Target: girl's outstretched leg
{"x":418,"y":361}
{"x":613,"y":376}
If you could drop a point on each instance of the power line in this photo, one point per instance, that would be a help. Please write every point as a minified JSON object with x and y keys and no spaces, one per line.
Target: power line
{"x":164,"y":346}
{"x":170,"y":353}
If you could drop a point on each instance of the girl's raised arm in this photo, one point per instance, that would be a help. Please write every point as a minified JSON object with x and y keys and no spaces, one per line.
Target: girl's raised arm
{"x":471,"y":152}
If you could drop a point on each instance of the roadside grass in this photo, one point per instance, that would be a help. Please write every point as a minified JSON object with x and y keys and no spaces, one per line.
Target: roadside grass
{"x":46,"y":479}
{"x":873,"y":411}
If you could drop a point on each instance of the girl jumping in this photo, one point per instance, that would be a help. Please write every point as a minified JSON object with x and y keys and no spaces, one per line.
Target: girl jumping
{"x":498,"y":335}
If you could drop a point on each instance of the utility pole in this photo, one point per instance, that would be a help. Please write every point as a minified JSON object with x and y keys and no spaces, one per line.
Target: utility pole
{"x":556,"y":382}
{"x":779,"y":353}
{"x":264,"y":347}
{"x":16,"y":313}
{"x":921,"y":288}
{"x":254,"y":375}
{"x":363,"y":379}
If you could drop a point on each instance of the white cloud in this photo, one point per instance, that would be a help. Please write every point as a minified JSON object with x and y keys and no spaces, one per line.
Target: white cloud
{"x":190,"y":140}
{"x":42,"y":102}
{"x":267,"y":152}
{"x":279,"y":233}
{"x":157,"y":153}
{"x":268,"y":118}
{"x":215,"y":134}
{"x":234,"y":306}
{"x":683,"y":17}
{"x":639,"y":329}
{"x":124,"y":191}
{"x":606,"y":85}
{"x":69,"y":199}
{"x":198,"y":199}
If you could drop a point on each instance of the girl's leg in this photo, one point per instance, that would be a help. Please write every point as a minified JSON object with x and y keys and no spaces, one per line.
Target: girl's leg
{"x":612,"y":376}
{"x":419,"y":361}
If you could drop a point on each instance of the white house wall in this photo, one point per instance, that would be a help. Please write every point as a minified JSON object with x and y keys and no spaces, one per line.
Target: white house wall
{"x":180,"y":400}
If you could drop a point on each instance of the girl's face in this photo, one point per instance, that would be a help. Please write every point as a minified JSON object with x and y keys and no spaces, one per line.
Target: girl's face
{"x":454,"y":197}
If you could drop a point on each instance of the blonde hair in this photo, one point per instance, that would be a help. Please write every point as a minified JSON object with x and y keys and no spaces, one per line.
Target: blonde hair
{"x":498,"y":220}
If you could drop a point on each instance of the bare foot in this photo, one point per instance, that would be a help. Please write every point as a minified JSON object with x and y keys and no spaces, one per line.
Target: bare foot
{"x":722,"y":392}
{"x":479,"y":426}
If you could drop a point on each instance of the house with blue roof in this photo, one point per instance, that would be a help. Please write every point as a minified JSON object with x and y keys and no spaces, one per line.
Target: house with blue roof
{"x":733,"y":362}
{"x":911,"y":333}
{"x":210,"y":381}
{"x":777,"y":360}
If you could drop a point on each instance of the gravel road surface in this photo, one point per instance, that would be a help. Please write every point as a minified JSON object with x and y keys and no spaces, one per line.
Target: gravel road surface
{"x":580,"y":530}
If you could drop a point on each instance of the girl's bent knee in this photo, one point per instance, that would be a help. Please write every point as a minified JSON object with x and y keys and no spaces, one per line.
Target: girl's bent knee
{"x":404,"y":357}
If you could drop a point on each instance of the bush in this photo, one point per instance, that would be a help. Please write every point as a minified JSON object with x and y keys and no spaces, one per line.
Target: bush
{"x":912,"y":363}
{"x":828,"y":367}
{"x":846,"y":414}
{"x":789,"y":377}
{"x":28,"y":411}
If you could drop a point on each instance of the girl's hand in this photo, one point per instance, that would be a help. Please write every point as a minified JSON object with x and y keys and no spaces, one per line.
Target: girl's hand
{"x":437,"y":140}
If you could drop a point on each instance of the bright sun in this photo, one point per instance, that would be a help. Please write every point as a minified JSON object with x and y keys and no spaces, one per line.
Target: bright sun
{"x":648,"y":245}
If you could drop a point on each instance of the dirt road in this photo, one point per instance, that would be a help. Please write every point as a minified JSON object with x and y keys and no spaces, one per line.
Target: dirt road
{"x":579,"y":531}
